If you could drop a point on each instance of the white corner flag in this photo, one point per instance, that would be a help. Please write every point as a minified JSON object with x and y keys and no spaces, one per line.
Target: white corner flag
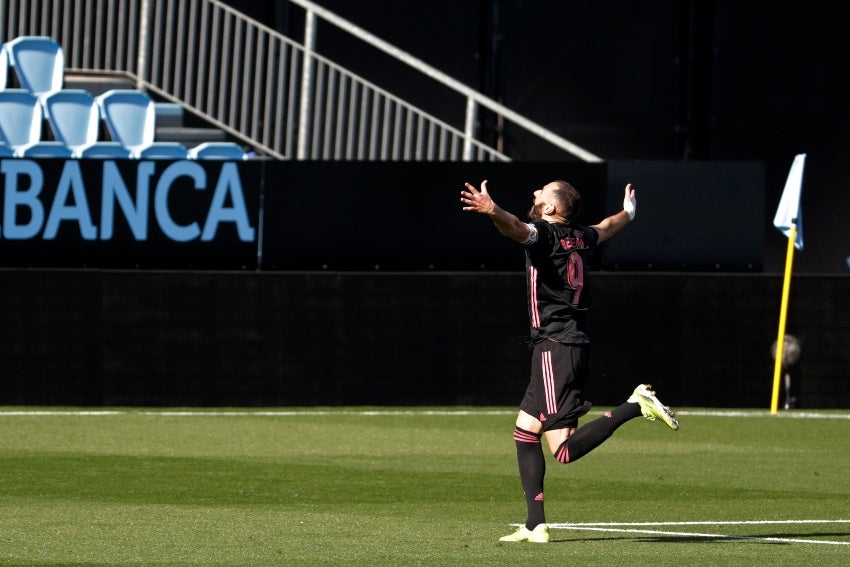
{"x":788,"y":213}
{"x":788,"y":219}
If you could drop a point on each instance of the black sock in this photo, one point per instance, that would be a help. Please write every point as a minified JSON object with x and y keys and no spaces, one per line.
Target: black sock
{"x":532,"y":469}
{"x":592,"y":434}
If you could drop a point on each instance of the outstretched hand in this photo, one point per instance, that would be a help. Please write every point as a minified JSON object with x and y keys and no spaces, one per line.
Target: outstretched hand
{"x":477,"y":201}
{"x":629,"y":202}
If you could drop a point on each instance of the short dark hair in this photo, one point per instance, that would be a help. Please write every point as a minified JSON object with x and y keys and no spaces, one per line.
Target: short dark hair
{"x":569,"y":199}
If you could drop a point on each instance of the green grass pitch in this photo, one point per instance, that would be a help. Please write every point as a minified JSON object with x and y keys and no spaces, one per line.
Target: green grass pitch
{"x":414,"y":486}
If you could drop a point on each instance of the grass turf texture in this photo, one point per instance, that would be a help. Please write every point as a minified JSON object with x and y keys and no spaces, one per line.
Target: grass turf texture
{"x":408,"y":487}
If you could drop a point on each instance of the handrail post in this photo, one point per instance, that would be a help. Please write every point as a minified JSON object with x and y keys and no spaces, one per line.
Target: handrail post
{"x":306,"y":84}
{"x":469,"y":127}
{"x":142,"y":55}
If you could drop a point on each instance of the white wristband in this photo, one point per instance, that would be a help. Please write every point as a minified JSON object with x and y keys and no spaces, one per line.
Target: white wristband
{"x":532,"y":234}
{"x":630,"y":206}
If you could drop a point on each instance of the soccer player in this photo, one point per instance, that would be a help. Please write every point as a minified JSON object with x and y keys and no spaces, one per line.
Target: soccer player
{"x":557,"y":250}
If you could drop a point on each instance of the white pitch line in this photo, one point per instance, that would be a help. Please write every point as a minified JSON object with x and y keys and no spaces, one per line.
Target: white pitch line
{"x":372,"y":413}
{"x":608,"y":527}
{"x":38,"y":413}
{"x":706,"y":523}
{"x":308,"y":413}
{"x":272,"y":413}
{"x":763,"y":413}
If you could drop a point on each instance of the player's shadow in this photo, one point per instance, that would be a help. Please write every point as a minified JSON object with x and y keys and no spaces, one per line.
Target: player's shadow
{"x":760,"y":537}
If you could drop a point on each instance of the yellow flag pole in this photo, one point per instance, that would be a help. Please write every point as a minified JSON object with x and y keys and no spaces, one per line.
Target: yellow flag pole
{"x":783,"y":315}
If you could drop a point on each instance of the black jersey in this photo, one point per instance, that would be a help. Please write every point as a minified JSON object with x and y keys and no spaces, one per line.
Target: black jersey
{"x":558,"y":294}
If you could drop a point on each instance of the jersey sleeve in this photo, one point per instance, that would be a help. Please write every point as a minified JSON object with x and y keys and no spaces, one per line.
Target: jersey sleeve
{"x":591,"y":239}
{"x":537,"y":234}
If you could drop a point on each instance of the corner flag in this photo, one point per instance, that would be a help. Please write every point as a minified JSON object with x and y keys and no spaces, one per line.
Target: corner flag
{"x":788,"y":219}
{"x":788,"y":213}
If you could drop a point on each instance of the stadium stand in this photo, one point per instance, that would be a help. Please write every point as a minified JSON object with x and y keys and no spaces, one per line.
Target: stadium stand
{"x":38,"y":63}
{"x":218,"y":150}
{"x":75,"y":120}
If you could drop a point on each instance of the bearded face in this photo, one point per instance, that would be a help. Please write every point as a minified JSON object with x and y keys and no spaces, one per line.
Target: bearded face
{"x":536,"y":211}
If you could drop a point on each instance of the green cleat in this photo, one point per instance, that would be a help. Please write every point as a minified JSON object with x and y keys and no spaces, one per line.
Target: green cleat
{"x":540,"y":534}
{"x":652,"y":408}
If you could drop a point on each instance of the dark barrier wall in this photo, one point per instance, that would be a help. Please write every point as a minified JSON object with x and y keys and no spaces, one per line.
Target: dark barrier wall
{"x":692,"y":216}
{"x":289,"y":215}
{"x":404,"y":216}
{"x":708,"y":337}
{"x":280,"y":339}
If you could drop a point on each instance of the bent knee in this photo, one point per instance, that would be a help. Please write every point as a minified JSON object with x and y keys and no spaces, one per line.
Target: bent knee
{"x":528,"y":422}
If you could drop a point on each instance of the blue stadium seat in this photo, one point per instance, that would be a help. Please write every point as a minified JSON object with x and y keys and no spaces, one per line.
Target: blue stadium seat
{"x":74,"y":118}
{"x":38,"y":62}
{"x":20,"y":119}
{"x":131,"y":120}
{"x":6,"y":150}
{"x":218,"y":150}
{"x":129,"y":116}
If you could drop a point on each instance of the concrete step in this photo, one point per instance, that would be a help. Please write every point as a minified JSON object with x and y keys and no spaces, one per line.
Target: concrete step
{"x":97,"y":84}
{"x":189,"y":136}
{"x":168,"y":114}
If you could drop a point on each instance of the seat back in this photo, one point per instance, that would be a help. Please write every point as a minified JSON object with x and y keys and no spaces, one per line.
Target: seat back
{"x":20,"y":117}
{"x":38,"y":61}
{"x":73,"y":116}
{"x":129,"y":116}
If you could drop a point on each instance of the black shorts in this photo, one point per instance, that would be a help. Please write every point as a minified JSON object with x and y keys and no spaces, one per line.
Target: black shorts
{"x":558,"y":375}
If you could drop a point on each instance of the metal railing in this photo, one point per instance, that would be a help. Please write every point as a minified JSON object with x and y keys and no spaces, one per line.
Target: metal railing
{"x":260,"y":86}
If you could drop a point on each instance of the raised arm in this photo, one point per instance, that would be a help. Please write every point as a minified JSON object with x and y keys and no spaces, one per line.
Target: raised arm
{"x":617,"y":222}
{"x":481,"y":202}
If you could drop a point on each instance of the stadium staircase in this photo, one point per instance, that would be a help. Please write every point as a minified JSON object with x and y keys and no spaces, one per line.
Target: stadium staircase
{"x":216,"y":74}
